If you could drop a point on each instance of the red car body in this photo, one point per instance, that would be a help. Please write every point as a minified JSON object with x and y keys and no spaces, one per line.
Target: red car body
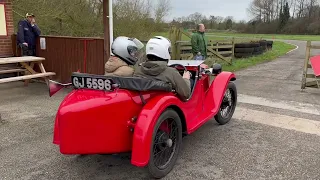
{"x":99,"y":122}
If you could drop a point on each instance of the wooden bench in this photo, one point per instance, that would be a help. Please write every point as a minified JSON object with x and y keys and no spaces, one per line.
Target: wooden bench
{"x":10,"y":69}
{"x":27,"y":65}
{"x":315,"y":64}
{"x":7,"y":70}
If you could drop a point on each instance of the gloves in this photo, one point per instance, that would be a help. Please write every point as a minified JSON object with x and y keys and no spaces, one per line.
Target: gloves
{"x":186,"y":75}
{"x":204,"y":66}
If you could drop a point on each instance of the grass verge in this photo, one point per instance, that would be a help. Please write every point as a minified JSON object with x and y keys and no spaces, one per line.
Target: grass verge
{"x":279,"y":49}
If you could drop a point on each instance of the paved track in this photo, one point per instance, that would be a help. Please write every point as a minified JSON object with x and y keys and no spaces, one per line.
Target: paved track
{"x":275,"y":134}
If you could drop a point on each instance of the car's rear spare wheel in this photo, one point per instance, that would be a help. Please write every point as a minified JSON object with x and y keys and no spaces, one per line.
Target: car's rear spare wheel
{"x":228,"y":104}
{"x":166,"y":143}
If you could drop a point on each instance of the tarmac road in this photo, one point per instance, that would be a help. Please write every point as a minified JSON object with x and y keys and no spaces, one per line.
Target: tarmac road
{"x":275,"y":134}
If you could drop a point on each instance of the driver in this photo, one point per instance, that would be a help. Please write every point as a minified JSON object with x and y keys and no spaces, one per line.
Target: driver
{"x":126,"y":51}
{"x":156,"y":66}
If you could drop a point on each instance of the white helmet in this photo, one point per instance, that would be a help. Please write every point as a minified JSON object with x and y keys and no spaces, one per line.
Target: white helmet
{"x":160,"y":47}
{"x":126,"y":49}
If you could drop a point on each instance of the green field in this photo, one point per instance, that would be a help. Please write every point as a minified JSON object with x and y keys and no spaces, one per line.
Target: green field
{"x":214,"y":37}
{"x":278,"y":49}
{"x":240,"y":37}
{"x":266,"y":36}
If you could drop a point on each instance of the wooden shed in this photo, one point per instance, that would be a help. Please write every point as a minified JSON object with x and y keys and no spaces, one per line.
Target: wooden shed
{"x":63,"y":55}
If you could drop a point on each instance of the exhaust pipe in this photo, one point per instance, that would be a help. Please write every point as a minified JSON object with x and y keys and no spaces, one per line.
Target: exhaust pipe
{"x":54,"y":87}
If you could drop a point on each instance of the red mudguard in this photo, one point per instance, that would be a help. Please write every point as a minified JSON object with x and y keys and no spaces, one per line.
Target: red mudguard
{"x":213,"y":99}
{"x":143,"y":131}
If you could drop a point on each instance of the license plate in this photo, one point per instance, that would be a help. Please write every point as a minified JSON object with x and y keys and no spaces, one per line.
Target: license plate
{"x":96,"y":83}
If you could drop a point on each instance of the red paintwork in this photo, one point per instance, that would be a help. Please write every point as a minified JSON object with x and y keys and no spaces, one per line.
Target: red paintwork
{"x":315,"y":63}
{"x":98,"y":122}
{"x":205,"y":107}
{"x":86,"y":123}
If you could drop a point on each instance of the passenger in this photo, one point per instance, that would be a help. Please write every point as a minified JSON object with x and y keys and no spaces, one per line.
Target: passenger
{"x":156,"y":67}
{"x":126,"y":51}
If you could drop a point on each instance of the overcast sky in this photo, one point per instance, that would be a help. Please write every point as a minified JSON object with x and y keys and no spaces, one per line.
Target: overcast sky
{"x":224,"y":8}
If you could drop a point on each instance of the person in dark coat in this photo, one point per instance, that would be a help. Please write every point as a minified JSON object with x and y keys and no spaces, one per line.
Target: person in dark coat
{"x":27,"y":34}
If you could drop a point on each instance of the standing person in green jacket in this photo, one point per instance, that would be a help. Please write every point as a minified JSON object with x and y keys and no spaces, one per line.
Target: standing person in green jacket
{"x":199,"y":43}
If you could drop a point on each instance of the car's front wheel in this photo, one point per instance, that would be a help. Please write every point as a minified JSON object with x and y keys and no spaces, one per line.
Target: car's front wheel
{"x":228,"y":105}
{"x":166,"y":143}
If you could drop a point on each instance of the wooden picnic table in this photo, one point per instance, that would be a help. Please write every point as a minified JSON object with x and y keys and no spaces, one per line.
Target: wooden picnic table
{"x":27,"y":65}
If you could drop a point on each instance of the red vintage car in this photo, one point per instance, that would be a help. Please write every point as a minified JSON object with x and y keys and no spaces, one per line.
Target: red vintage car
{"x":111,"y":115}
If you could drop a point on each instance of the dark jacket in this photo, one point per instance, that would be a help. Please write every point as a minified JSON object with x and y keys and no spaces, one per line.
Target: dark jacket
{"x":159,"y":70}
{"x":27,"y":33}
{"x":199,"y":43}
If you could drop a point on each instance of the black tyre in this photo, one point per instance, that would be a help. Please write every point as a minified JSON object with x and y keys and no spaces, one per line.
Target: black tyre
{"x":243,"y":50}
{"x":226,"y":55}
{"x":263,"y":44}
{"x":257,"y":53}
{"x":242,"y":55}
{"x":166,"y":144}
{"x":269,"y":47}
{"x":228,"y":105}
{"x":242,"y":45}
{"x":264,"y":48}
{"x":254,"y":45}
{"x":269,"y":43}
{"x":225,"y":49}
{"x":257,"y":49}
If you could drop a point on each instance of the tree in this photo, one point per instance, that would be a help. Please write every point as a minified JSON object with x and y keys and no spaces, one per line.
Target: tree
{"x":212,"y":21}
{"x":228,"y":22}
{"x":286,"y":12}
{"x":84,"y":17}
{"x":196,"y":17}
{"x":255,"y":9}
{"x":284,"y":15}
{"x":262,"y":10}
{"x":162,"y":10}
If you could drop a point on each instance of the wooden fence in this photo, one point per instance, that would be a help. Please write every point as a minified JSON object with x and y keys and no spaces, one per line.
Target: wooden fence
{"x":223,"y":49}
{"x":308,"y":79}
{"x":65,"y":55}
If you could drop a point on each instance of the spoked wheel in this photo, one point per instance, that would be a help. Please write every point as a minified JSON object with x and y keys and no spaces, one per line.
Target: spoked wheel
{"x":228,"y":105}
{"x":166,"y":143}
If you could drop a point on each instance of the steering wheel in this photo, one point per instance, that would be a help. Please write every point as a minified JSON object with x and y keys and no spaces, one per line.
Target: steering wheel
{"x":176,"y":65}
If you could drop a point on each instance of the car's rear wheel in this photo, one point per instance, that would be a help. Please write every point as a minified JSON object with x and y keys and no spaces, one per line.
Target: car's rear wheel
{"x":166,"y":143}
{"x":228,"y":105}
